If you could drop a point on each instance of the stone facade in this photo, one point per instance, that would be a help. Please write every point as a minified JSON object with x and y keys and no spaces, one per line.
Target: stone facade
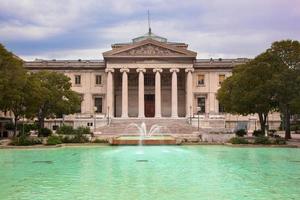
{"x":149,"y":77}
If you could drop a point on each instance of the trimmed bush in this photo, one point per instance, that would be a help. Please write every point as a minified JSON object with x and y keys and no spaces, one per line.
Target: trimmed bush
{"x":9,"y":126}
{"x":53,"y":140}
{"x":238,"y":140}
{"x":44,"y":132}
{"x":272,"y":132}
{"x":72,"y":135}
{"x":25,"y":141}
{"x":27,"y":128}
{"x":100,"y":141}
{"x":75,"y":139}
{"x":83,"y":131}
{"x":241,"y":133}
{"x":262,"y":140}
{"x":65,"y":130}
{"x":258,"y":133}
{"x":294,"y":127}
{"x":279,"y":141}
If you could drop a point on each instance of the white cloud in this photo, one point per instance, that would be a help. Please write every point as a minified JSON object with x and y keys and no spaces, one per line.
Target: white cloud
{"x":18,"y":32}
{"x":68,"y":54}
{"x":214,"y":28}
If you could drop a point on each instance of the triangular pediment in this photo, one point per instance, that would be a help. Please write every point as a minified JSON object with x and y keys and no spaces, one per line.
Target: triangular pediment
{"x":149,"y":48}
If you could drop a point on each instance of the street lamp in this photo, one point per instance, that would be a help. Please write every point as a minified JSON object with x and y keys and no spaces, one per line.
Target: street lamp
{"x":198,"y":112}
{"x":95,"y":110}
{"x":190,"y":114}
{"x":107,"y":115}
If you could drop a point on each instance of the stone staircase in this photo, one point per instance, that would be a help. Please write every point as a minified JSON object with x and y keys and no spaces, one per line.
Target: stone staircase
{"x":165,"y":126}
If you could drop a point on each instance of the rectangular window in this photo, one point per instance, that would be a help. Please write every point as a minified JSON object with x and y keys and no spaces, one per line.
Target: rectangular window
{"x":98,"y":104}
{"x":201,"y":104}
{"x":77,"y":79}
{"x":200,"y":80}
{"x":221,"y":108}
{"x":98,"y":79}
{"x":221,"y":78}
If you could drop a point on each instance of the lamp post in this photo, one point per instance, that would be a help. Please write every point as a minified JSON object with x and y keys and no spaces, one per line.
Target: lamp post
{"x":95,"y":110}
{"x":190,"y":114}
{"x":198,"y":112}
{"x":107,"y":115}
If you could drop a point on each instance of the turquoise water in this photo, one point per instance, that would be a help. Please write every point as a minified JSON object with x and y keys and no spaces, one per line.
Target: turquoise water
{"x":155,"y":172}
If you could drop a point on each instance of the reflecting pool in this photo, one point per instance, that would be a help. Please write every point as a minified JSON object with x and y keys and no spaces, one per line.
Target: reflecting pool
{"x":150,"y":173}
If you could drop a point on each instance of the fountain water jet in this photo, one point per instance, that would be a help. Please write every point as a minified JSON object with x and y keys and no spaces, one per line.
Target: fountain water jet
{"x":157,"y":135}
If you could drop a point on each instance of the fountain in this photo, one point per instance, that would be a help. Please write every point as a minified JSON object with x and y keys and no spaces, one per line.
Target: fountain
{"x":136,"y":134}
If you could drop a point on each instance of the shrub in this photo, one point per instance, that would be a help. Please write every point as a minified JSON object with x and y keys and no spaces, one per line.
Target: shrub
{"x":72,"y":135}
{"x":83,"y":131}
{"x":25,"y":141}
{"x":75,"y":139}
{"x":280,"y":141}
{"x":100,"y":141}
{"x":238,"y":140}
{"x":80,"y":139}
{"x":44,"y":132}
{"x":27,"y":127}
{"x":53,"y":140}
{"x":241,"y":132}
{"x":295,"y":127}
{"x":65,"y":130}
{"x":271,"y":132}
{"x":262,"y":140}
{"x":9,"y":126}
{"x":258,"y":133}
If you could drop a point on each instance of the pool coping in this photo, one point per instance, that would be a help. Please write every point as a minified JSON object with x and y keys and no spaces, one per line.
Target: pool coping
{"x":54,"y":146}
{"x":107,"y":144}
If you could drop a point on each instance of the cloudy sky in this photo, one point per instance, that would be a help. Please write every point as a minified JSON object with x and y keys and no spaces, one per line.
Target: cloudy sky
{"x":73,"y":29}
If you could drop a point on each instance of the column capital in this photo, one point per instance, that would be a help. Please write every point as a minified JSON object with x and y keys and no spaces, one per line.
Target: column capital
{"x":140,"y":70}
{"x":157,"y":70}
{"x":176,"y":70}
{"x":124,"y":69}
{"x":109,"y":70}
{"x":189,"y":70}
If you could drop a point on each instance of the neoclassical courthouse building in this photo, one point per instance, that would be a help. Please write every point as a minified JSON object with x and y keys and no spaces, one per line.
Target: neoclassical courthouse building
{"x":148,"y":77}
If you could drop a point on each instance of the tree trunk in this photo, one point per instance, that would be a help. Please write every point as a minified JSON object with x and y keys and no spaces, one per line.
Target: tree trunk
{"x":262,"y":121}
{"x":15,"y":126}
{"x":287,"y":116}
{"x":41,"y":119}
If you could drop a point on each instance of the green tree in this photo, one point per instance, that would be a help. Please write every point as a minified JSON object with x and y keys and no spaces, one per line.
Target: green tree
{"x":14,"y":86}
{"x":250,"y":89}
{"x":287,"y":54}
{"x":54,"y":96}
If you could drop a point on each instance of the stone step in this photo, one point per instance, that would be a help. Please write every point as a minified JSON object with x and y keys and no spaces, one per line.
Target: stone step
{"x":165,"y":126}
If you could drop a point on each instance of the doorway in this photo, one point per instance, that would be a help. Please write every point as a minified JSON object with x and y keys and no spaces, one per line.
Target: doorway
{"x":149,"y":105}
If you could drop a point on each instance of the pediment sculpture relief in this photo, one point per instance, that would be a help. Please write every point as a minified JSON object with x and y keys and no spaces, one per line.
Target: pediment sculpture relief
{"x":149,"y":50}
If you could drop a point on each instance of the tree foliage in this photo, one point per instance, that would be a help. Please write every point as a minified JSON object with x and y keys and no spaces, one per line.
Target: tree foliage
{"x":250,"y":89}
{"x":287,"y":81}
{"x":54,"y":96}
{"x":41,"y":94}
{"x":269,"y":82}
{"x":14,"y":86}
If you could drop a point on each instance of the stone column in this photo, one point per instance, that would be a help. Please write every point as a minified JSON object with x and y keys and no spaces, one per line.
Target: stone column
{"x":157,"y":92}
{"x":174,"y":112}
{"x":110,"y":92}
{"x":124,"y":72}
{"x":189,"y":92}
{"x":141,"y":97}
